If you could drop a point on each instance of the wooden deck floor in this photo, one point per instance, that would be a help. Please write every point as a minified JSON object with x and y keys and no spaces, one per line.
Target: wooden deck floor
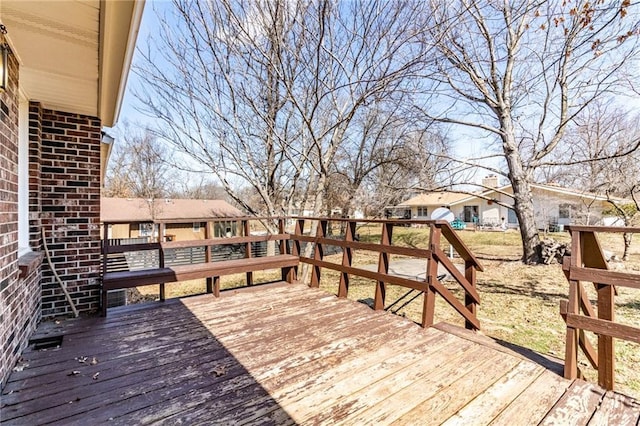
{"x":287,"y":355}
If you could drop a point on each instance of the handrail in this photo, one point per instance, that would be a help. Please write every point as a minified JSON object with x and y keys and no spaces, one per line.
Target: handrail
{"x":449,"y":233}
{"x":433,"y":256}
{"x":587,"y":263}
{"x":196,"y":219}
{"x":611,"y":229}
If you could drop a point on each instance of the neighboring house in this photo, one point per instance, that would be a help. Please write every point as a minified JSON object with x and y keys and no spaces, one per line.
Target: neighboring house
{"x":553,"y":206}
{"x":63,"y":71}
{"x":139,"y":214}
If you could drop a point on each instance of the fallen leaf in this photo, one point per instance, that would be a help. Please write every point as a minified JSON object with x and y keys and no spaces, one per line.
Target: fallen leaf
{"x":95,"y":376}
{"x":20,"y":367}
{"x":220,"y":371}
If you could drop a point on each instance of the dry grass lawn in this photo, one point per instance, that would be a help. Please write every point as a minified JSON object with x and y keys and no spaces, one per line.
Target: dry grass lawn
{"x":519,"y":303}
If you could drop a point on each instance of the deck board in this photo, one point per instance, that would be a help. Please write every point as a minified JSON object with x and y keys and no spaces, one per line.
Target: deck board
{"x":287,"y":354}
{"x":535,"y":401}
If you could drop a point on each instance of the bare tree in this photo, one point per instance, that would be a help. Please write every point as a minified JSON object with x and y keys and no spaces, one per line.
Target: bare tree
{"x":519,"y":72}
{"x":263,"y":94}
{"x":597,"y":144}
{"x":211,"y":77}
{"x":383,"y":138}
{"x":138,"y":167}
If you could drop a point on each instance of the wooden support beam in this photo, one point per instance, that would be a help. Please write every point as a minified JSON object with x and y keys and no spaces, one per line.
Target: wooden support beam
{"x":429,"y":301}
{"x":383,"y":266}
{"x":606,"y":355}
{"x":583,"y":342}
{"x":604,"y":328}
{"x":207,"y":254}
{"x":467,"y":285}
{"x":347,"y":258}
{"x":295,"y":247}
{"x":216,"y":286}
{"x":161,"y":232}
{"x":451,"y":299}
{"x":470,"y":300}
{"x":105,"y":249}
{"x":318,"y":253}
{"x":247,"y":233}
{"x":285,"y":273}
{"x":588,"y":349}
{"x":573,"y":306}
{"x":603,"y":276}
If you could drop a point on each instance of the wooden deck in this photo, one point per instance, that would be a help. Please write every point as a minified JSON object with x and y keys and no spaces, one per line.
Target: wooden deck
{"x":288,"y":355}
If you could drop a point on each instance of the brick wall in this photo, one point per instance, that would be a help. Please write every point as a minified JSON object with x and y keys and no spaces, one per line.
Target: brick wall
{"x":19,"y":295}
{"x":64,"y":198}
{"x":35,"y":138}
{"x":70,"y":208}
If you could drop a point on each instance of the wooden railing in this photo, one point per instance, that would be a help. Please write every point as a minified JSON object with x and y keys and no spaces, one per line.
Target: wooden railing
{"x":433,"y":256}
{"x":587,"y":263}
{"x":160,"y":255}
{"x":158,"y":263}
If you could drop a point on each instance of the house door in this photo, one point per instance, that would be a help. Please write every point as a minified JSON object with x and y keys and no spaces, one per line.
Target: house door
{"x":470,"y":213}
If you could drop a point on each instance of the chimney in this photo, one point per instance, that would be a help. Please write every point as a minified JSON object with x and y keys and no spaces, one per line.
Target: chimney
{"x":490,"y":181}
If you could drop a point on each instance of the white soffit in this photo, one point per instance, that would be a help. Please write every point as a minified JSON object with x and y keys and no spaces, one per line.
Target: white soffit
{"x":57,"y":45}
{"x":120,"y":22}
{"x":74,"y":55}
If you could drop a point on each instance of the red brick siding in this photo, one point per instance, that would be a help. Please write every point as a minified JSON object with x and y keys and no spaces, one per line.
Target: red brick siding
{"x":70,"y":208}
{"x":19,"y":298}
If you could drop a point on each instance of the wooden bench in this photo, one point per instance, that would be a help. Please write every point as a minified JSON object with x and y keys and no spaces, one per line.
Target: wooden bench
{"x":210,"y":270}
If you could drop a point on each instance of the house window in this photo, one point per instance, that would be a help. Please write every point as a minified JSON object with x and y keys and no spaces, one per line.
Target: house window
{"x":147,"y":229}
{"x":470,"y":214}
{"x":512,"y":217}
{"x":196,"y":227}
{"x":23,"y":175}
{"x":564,"y":211}
{"x":422,"y":211}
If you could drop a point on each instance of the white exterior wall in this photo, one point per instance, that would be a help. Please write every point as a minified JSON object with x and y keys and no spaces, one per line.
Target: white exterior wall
{"x":545,"y":204}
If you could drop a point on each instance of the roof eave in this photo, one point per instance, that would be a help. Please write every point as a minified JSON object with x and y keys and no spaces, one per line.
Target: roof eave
{"x":116,"y":52}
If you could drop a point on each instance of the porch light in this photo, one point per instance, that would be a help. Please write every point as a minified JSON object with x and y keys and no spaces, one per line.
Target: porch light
{"x":4,"y":66}
{"x":4,"y":58}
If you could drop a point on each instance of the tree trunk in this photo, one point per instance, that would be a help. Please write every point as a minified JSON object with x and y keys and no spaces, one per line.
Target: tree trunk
{"x":523,"y":203}
{"x":627,"y":245}
{"x":522,"y":198}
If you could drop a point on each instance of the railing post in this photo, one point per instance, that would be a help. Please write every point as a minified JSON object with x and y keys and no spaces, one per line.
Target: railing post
{"x":284,"y":249}
{"x":347,"y":258}
{"x":288,"y":272}
{"x":207,"y":254}
{"x":470,"y":275}
{"x":383,"y":266}
{"x":573,"y":306}
{"x":606,"y":294}
{"x":295,"y":247}
{"x":247,"y":232}
{"x":318,"y":254}
{"x":299,"y":229}
{"x":161,"y":229}
{"x":429,"y":301}
{"x":105,"y":245}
